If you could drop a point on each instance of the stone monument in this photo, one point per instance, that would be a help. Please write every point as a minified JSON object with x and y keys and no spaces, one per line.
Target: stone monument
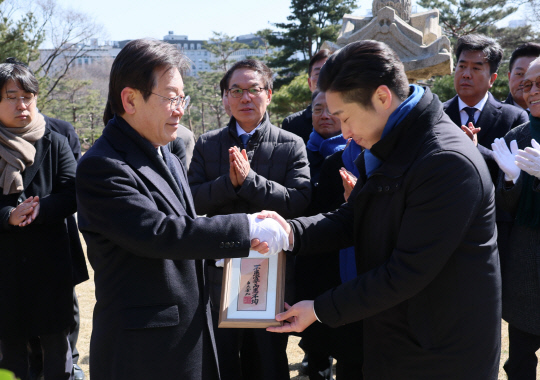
{"x":416,"y":38}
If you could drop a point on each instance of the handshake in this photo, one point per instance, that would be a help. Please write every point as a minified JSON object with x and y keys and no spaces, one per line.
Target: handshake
{"x":268,"y":232}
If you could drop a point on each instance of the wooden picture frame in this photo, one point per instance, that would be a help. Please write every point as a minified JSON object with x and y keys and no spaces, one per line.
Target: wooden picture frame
{"x":242,"y":304}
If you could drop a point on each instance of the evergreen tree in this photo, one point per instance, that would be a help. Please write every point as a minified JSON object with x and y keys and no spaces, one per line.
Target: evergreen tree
{"x":222,"y":46}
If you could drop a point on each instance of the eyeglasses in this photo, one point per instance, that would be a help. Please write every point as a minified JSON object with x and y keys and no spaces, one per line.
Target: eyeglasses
{"x":27,"y":100}
{"x":253,"y":92}
{"x":526,"y":85}
{"x":176,"y":102}
{"x":318,"y":111}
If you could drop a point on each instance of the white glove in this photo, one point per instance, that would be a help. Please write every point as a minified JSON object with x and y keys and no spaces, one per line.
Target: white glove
{"x":506,"y":159}
{"x":220,"y":263}
{"x":528,"y":160}
{"x":269,"y":231}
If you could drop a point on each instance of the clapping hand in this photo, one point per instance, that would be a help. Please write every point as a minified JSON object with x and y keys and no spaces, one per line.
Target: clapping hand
{"x":25,"y":213}
{"x":349,"y":181}
{"x":528,"y":160}
{"x":472,"y":132}
{"x":506,"y":158}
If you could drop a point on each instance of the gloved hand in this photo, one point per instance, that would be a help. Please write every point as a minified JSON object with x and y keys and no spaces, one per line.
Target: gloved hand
{"x":220,"y":263}
{"x":269,"y":231}
{"x":506,"y":159}
{"x":528,"y":160}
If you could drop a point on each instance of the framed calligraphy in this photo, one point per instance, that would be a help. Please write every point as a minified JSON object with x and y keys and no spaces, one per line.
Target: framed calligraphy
{"x":253,"y":291}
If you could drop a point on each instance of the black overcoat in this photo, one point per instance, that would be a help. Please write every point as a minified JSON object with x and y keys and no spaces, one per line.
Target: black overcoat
{"x":423,"y":228}
{"x":152,"y":318}
{"x":36,"y":286}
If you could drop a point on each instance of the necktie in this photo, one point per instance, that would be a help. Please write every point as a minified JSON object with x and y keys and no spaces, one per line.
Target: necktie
{"x":245,"y":138}
{"x":470,"y":111}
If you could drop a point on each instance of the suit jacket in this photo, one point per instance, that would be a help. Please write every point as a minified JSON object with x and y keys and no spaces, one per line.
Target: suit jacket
{"x":299,"y":123}
{"x":36,"y":285}
{"x":429,"y":286}
{"x":496,"y":119}
{"x":152,"y":317}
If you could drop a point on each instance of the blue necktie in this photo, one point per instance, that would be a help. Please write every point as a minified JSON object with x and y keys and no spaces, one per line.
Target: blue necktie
{"x":470,"y":111}
{"x":245,"y":138}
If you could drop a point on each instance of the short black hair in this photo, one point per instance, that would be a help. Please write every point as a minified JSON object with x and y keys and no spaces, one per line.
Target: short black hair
{"x":18,"y":72}
{"x":478,"y":42}
{"x":251,"y":64}
{"x":319,"y":56}
{"x":358,"y":69}
{"x":223,"y":85}
{"x":314,"y":94}
{"x":135,"y":67}
{"x":528,"y":49}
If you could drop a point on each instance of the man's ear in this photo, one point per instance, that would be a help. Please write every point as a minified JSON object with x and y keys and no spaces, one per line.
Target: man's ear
{"x":492,"y":79}
{"x":382,"y":98}
{"x":128,"y":96}
{"x":269,"y":96}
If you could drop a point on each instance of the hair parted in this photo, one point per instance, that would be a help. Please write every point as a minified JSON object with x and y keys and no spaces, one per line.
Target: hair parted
{"x":528,"y":49}
{"x":477,"y":42}
{"x":251,"y":64}
{"x":358,"y":69}
{"x":18,"y":72}
{"x":135,"y":67}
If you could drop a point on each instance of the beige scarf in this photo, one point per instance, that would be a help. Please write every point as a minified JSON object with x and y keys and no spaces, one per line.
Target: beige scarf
{"x":17,"y":152}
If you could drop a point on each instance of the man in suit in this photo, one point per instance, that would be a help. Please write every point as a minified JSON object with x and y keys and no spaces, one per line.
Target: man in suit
{"x":477,"y":60}
{"x":429,"y":292}
{"x":519,"y":62}
{"x":146,"y":245}
{"x":300,"y":123}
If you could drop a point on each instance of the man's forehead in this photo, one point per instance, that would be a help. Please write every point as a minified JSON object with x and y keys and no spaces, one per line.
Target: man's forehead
{"x":533,"y":72}
{"x":473,"y":56}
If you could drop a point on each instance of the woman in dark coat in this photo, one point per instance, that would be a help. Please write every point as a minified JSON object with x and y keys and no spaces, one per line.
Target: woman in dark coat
{"x":37,"y":193}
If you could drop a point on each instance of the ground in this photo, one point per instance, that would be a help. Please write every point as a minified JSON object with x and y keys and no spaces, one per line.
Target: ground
{"x":85,"y":294}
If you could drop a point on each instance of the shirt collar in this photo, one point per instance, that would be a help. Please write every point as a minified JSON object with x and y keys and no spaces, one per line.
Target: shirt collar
{"x":240,"y":131}
{"x":479,"y":106}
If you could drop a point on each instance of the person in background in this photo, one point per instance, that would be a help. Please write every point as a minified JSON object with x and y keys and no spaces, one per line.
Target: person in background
{"x":518,"y":192}
{"x":300,"y":123}
{"x":519,"y":62}
{"x":37,"y":182}
{"x":247,"y":166}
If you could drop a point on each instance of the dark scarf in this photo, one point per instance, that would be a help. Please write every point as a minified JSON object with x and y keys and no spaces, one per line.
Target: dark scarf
{"x":528,"y":212}
{"x":325,"y":147}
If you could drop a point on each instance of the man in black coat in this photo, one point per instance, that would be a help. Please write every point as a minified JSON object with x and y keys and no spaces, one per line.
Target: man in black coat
{"x":300,"y":123}
{"x":478,"y":58}
{"x":145,"y":242}
{"x":269,"y":170}
{"x":421,"y":218}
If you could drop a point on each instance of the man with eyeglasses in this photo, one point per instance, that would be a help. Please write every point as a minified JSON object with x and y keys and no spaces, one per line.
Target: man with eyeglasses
{"x":145,"y":242}
{"x":517,"y":192}
{"x":300,"y":123}
{"x":247,"y":166}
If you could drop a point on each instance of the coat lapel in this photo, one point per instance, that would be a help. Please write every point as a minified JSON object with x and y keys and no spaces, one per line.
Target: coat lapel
{"x":453,"y":111}
{"x":42,"y":147}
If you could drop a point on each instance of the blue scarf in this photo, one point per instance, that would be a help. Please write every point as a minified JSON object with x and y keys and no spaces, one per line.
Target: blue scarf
{"x":347,"y":258}
{"x":325,"y":147}
{"x":395,"y":118}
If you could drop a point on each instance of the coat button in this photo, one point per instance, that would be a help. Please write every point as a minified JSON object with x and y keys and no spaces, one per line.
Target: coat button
{"x":221,"y":245}
{"x":237,"y":244}
{"x":379,"y":189}
{"x":387,"y":188}
{"x":227,"y":245}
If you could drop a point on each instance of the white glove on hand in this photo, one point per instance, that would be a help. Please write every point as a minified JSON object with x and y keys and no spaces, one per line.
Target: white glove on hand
{"x":528,"y":160}
{"x":220,"y":263}
{"x":269,"y":231}
{"x":506,"y":159}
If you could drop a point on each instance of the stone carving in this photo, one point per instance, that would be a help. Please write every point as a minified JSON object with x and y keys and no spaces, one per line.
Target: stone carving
{"x":416,"y":38}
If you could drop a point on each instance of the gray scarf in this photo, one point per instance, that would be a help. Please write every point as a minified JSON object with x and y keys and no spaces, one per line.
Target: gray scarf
{"x":17,"y":152}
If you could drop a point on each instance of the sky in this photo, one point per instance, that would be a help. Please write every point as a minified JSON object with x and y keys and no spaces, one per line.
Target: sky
{"x":130,"y":19}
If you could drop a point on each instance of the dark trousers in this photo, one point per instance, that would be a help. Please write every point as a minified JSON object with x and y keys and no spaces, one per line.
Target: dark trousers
{"x":57,"y":361}
{"x":251,"y":354}
{"x":522,"y":360}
